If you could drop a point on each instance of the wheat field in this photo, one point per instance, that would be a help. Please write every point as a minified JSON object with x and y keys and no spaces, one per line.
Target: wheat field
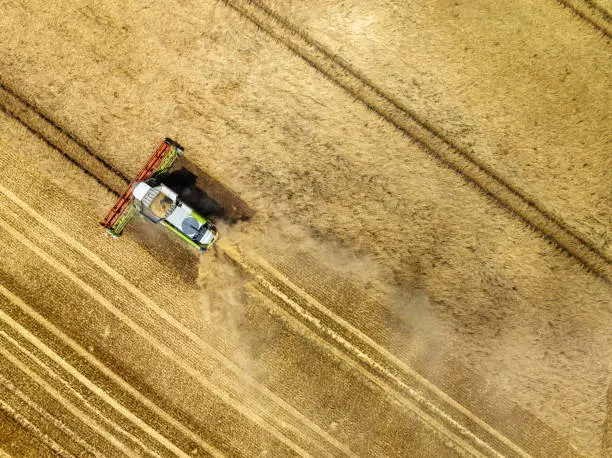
{"x":422,"y":262}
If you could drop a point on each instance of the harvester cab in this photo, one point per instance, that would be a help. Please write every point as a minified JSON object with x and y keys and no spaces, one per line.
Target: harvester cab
{"x":148,"y":196}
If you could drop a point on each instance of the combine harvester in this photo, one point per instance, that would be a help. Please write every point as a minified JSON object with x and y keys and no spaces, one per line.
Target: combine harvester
{"x":148,"y":196}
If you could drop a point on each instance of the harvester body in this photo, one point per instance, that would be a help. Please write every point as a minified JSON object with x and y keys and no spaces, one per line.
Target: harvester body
{"x":159,"y":204}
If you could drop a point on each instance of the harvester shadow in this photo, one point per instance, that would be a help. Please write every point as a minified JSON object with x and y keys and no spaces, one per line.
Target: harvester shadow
{"x":166,"y":247}
{"x":208,"y":197}
{"x":205,"y":194}
{"x":183,"y":182}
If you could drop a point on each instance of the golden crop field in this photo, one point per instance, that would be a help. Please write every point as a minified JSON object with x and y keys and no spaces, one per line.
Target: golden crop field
{"x":415,"y":258}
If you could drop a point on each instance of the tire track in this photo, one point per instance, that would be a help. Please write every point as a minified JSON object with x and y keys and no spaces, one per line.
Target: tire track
{"x":91,"y":387}
{"x":113,"y":180}
{"x":590,"y":12}
{"x":506,"y":438}
{"x":370,"y":108}
{"x":61,"y":140}
{"x":68,"y":405}
{"x":341,"y":73}
{"x":161,"y":346}
{"x":54,"y":446}
{"x":483,"y":178}
{"x":380,"y":365}
{"x":312,"y":331}
{"x":27,"y":403}
{"x":595,"y":4}
{"x":316,"y":291}
{"x":82,"y":353}
{"x":63,"y":131}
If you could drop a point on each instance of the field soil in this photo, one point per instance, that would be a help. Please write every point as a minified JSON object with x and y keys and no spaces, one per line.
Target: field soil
{"x":416,"y":254}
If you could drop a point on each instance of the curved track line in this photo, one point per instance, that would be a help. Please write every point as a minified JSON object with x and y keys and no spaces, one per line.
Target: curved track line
{"x":44,"y":323}
{"x":160,"y":346}
{"x":24,"y":422}
{"x":359,"y":355}
{"x":590,"y":12}
{"x":10,"y":386}
{"x":459,"y":160}
{"x":69,"y":406}
{"x":89,"y":385}
{"x":171,"y":320}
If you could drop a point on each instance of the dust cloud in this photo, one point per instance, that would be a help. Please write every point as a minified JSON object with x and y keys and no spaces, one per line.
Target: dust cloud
{"x":406,"y":321}
{"x":223,"y":303}
{"x":279,"y":237}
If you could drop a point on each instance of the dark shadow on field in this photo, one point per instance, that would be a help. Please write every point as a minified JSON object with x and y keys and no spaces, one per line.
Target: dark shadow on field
{"x":183,"y":182}
{"x":205,"y":194}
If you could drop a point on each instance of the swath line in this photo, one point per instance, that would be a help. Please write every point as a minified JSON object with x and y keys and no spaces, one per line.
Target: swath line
{"x":40,"y":410}
{"x":223,"y":359}
{"x":272,"y":296}
{"x":161,"y":347}
{"x":25,"y":423}
{"x":69,"y":406}
{"x":106,"y":371}
{"x":171,"y":320}
{"x":271,"y":420}
{"x":357,"y":355}
{"x":392,"y":359}
{"x":87,"y":383}
{"x":51,"y":377}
